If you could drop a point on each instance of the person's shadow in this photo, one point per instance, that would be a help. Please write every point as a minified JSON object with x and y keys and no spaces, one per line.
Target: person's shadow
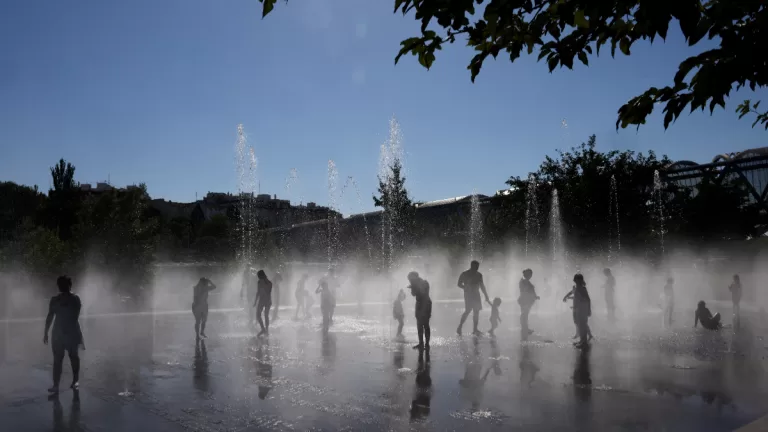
{"x":420,"y":406}
{"x":264,"y":368}
{"x":74,"y":413}
{"x":200,"y":377}
{"x":582,"y":377}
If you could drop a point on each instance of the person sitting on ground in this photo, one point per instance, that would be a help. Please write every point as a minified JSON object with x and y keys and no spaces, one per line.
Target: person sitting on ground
{"x":420,"y":289}
{"x":708,"y":321}
{"x":398,"y":314}
{"x":495,"y":318}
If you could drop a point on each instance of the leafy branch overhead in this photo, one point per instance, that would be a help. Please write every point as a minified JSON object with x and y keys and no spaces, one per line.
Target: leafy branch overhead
{"x":565,"y":31}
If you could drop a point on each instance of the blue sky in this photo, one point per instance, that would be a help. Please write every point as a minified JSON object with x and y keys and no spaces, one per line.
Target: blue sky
{"x":152,"y":91}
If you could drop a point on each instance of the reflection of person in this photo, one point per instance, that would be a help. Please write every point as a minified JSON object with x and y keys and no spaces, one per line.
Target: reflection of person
{"x":610,"y":286}
{"x":582,"y":308}
{"x":474,"y":380}
{"x":669,"y":301}
{"x":263,"y":301}
{"x":67,"y":334}
{"x":74,"y":412}
{"x":301,"y":296}
{"x":398,"y":313}
{"x":420,"y":290}
{"x":471,"y":281}
{"x":526,"y":300}
{"x":201,"y":366}
{"x":264,"y":368}
{"x":735,"y":289}
{"x":200,"y":305}
{"x":495,"y":318}
{"x":708,"y":321}
{"x":420,"y":406}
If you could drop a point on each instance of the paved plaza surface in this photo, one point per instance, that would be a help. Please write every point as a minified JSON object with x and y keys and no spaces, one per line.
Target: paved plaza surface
{"x":145,"y":372}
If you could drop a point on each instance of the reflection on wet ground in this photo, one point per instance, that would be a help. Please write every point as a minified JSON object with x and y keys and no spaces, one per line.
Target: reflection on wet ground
{"x":149,"y":373}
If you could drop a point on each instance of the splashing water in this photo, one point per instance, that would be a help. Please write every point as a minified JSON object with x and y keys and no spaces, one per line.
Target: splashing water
{"x":658,"y":209}
{"x":333,"y":205}
{"x":391,"y":155}
{"x":352,"y":183}
{"x":531,"y":214}
{"x":476,"y":228}
{"x":245,"y":164}
{"x":614,"y":231}
{"x":556,"y":229}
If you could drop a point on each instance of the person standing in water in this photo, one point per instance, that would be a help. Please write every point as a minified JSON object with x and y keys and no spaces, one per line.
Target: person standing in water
{"x":582,"y":308}
{"x":471,"y":281}
{"x":526,"y":300}
{"x":67,"y":334}
{"x":200,"y":305}
{"x":735,"y":289}
{"x":669,"y":301}
{"x":398,"y":313}
{"x":495,"y":318}
{"x":301,"y":296}
{"x":610,"y":285}
{"x":327,"y":303}
{"x":263,"y":301}
{"x":276,"y":280}
{"x":420,"y":290}
{"x":332,"y":283}
{"x":249,"y":291}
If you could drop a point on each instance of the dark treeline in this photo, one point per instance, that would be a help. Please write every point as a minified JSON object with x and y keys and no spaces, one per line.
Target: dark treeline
{"x":71,"y":230}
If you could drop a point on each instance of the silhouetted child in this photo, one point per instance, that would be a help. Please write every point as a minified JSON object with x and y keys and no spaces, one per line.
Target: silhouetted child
{"x":582,"y":308}
{"x":301,"y":296}
{"x":398,"y":314}
{"x":708,"y":321}
{"x":669,"y":301}
{"x":495,"y":318}
{"x":420,"y":290}
{"x":327,"y":303}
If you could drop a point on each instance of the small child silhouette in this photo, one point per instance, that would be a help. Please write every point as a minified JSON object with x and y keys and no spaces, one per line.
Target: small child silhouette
{"x":495,"y":318}
{"x":398,"y":313}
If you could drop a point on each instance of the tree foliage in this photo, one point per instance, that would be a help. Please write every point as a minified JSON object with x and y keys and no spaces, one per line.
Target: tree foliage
{"x":562,"y":32}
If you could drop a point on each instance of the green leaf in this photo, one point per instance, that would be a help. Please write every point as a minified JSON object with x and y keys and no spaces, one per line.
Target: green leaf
{"x":579,"y":20}
{"x":624,"y":46}
{"x":583,"y":58}
{"x":268,"y":5}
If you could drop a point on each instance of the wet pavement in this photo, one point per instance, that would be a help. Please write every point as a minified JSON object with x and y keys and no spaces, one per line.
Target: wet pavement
{"x":144,"y":372}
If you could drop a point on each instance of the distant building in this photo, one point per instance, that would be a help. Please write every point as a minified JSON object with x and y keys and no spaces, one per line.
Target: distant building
{"x":265,"y":211}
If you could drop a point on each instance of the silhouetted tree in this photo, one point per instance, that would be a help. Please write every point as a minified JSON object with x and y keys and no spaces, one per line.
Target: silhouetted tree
{"x":562,"y":31}
{"x":63,"y":199}
{"x":397,"y":205}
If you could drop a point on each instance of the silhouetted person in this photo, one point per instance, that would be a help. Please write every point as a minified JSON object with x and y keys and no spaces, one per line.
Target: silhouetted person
{"x":708,"y":321}
{"x":582,"y":308}
{"x":420,"y":290}
{"x":249,"y":290}
{"x":333,"y":284}
{"x":495,"y":318}
{"x":420,"y":406}
{"x":327,"y":303}
{"x":669,"y":301}
{"x":263,"y":301}
{"x":276,"y":280}
{"x":735,"y":289}
{"x":200,"y":305}
{"x":66,"y":335}
{"x":610,"y":301}
{"x":398,"y":313}
{"x":301,"y":296}
{"x":471,"y":281}
{"x":526,"y":300}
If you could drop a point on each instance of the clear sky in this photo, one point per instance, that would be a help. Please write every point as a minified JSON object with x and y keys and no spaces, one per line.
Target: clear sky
{"x":152,"y":91}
